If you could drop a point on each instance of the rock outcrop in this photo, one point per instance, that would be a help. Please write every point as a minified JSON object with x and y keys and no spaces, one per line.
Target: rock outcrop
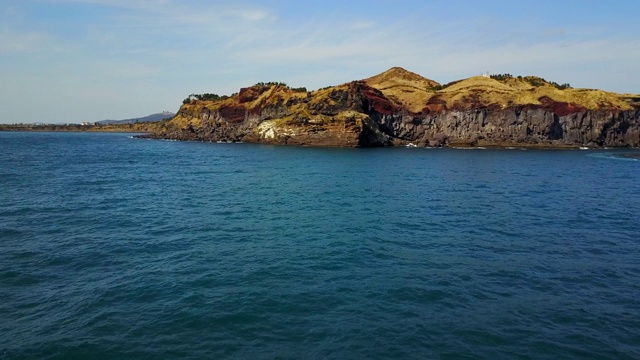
{"x":399,"y":107}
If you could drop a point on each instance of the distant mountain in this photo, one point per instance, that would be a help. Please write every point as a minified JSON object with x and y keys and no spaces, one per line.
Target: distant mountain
{"x":149,"y":118}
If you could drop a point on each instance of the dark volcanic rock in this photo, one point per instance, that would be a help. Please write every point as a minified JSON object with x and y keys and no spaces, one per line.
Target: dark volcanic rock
{"x":357,"y":114}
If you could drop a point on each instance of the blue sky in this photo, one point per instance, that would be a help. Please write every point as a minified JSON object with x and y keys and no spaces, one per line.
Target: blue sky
{"x":88,"y":60}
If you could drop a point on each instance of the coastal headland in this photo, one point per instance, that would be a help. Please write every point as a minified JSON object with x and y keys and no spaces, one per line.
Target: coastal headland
{"x":400,"y":108}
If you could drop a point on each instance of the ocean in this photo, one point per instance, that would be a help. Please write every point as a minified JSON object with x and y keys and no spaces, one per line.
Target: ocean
{"x":113,"y":247}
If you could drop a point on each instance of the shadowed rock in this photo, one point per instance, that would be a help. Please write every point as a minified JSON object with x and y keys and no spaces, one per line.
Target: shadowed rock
{"x":399,"y":107}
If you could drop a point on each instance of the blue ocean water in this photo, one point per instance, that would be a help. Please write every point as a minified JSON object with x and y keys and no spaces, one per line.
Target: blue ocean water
{"x":117,"y":248}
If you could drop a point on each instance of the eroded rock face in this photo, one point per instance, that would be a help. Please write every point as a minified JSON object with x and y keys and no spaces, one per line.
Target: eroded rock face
{"x":357,"y":114}
{"x":517,"y":126}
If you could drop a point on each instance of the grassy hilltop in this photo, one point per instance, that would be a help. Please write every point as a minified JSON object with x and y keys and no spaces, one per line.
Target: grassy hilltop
{"x":398,"y":107}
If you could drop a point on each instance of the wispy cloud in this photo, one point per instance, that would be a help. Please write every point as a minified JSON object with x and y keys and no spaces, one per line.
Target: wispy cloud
{"x":15,"y":42}
{"x":158,"y":51}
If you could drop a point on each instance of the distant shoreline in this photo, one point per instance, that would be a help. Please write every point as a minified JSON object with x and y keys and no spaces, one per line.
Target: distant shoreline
{"x":147,"y":127}
{"x":75,"y":131}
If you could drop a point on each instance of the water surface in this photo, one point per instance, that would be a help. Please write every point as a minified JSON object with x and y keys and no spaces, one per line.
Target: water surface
{"x":113,"y":247}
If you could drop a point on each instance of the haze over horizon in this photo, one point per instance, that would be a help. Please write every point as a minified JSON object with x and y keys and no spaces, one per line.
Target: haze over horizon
{"x":89,"y":60}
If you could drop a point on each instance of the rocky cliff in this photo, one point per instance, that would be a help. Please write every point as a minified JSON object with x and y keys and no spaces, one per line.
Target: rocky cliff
{"x":399,"y":107}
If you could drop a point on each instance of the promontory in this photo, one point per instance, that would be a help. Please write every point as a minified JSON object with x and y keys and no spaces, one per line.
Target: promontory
{"x":399,"y":107}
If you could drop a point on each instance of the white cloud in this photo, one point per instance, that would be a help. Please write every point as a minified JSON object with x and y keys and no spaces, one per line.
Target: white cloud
{"x":157,"y":52}
{"x":14,"y":42}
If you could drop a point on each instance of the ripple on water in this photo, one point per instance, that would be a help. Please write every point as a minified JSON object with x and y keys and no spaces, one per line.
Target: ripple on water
{"x":120,"y":248}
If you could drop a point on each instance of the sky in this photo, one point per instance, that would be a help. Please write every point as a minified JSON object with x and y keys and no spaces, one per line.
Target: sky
{"x":70,"y":61}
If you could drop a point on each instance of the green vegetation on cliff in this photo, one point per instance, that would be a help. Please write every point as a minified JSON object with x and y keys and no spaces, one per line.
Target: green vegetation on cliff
{"x":398,"y":107}
{"x":533,"y":80}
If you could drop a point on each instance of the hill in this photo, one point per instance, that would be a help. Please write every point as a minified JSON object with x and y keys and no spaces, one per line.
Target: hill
{"x":404,"y":87}
{"x":149,"y":118}
{"x":399,"y":107}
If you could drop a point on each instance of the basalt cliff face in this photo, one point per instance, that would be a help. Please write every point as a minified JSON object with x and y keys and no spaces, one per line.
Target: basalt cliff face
{"x":399,"y":107}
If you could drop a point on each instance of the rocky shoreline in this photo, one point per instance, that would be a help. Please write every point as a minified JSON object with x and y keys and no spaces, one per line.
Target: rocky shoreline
{"x":400,"y":108}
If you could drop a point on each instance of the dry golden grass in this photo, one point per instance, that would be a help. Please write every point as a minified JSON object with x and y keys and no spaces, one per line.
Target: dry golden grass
{"x":413,"y":92}
{"x":275,"y":93}
{"x":477,"y":83}
{"x":398,"y":76}
{"x":405,"y":87}
{"x":519,"y":92}
{"x":181,"y":121}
